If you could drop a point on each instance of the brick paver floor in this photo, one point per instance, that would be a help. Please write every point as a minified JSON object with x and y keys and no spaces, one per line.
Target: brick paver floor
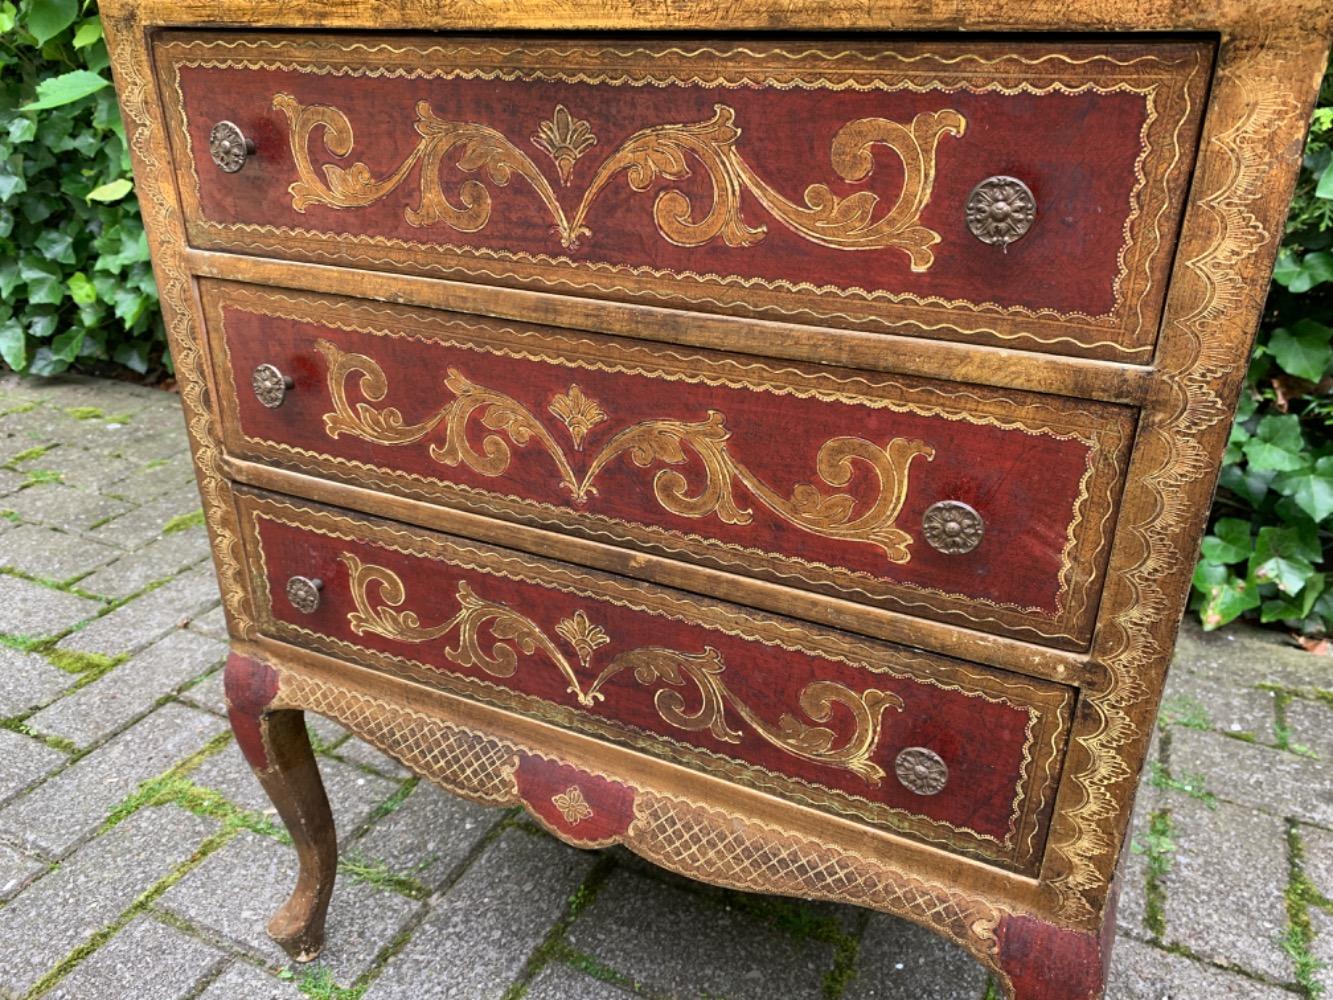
{"x":138,"y":858}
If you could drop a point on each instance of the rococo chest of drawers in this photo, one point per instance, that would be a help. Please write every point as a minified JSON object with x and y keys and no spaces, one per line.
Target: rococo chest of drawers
{"x":771,"y":436}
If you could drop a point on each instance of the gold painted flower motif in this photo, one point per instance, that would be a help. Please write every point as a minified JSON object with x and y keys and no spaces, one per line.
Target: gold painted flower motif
{"x":572,"y":805}
{"x":583,"y":635}
{"x":564,"y":139}
{"x":578,"y":413}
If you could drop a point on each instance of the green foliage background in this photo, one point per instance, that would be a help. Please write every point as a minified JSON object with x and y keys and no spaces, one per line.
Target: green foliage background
{"x":1265,"y":555}
{"x":76,"y":290}
{"x":75,"y":282}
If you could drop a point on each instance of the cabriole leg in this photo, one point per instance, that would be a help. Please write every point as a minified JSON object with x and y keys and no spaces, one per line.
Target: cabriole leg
{"x":1046,"y":962}
{"x":276,"y":745}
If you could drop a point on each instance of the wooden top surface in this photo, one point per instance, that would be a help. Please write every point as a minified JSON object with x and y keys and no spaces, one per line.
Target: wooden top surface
{"x":1230,"y":17}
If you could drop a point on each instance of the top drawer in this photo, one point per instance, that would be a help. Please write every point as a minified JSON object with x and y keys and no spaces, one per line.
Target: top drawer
{"x":1018,"y":194}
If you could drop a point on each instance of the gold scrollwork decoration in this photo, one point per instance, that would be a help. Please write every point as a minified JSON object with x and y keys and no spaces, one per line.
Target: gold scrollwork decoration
{"x":660,"y":152}
{"x":662,"y":442}
{"x":511,"y":634}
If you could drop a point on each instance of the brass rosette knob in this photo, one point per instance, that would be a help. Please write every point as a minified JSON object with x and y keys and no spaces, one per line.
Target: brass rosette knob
{"x":229,"y":147}
{"x":921,"y":770}
{"x":303,"y":592}
{"x":1001,"y":210}
{"x":952,"y":527}
{"x":270,"y":385}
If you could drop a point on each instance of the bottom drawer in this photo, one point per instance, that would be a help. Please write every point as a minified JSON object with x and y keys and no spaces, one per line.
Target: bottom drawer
{"x":941,"y":751}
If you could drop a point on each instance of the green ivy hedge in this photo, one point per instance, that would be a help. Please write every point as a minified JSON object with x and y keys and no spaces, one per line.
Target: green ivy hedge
{"x":75,"y":283}
{"x":76,"y":290}
{"x":1265,"y":554}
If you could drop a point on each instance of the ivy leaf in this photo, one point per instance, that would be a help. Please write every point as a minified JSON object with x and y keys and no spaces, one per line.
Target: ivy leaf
{"x":1312,"y":491}
{"x":66,"y":89}
{"x":1298,"y":608}
{"x":1229,"y":542}
{"x":43,"y":281}
{"x":1287,"y":267}
{"x":1246,"y":482}
{"x":90,"y":31}
{"x":133,"y":355}
{"x":1277,"y":444}
{"x":81,"y":290}
{"x":1316,"y":268}
{"x":1282,"y":556}
{"x":22,"y":130}
{"x":1324,"y":189}
{"x":45,"y":363}
{"x":1303,"y":350}
{"x":55,"y":245}
{"x":1289,"y":574}
{"x":13,"y":345}
{"x":113,"y":191}
{"x":1226,"y":596}
{"x":66,"y":346}
{"x":48,"y":18}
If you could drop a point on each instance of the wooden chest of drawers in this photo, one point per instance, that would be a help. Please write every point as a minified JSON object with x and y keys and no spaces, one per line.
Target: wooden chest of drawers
{"x":779,"y":446}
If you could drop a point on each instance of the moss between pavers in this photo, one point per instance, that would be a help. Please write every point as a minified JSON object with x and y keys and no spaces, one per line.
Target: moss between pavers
{"x":38,"y":476}
{"x":1158,"y":848}
{"x":84,"y":412}
{"x":377,"y":873}
{"x":1193,"y":785}
{"x":18,"y":724}
{"x":63,"y":586}
{"x":139,"y":905}
{"x":394,"y":802}
{"x":554,"y":948}
{"x":183,"y":522}
{"x":27,"y":455}
{"x":318,"y":984}
{"x":1299,"y":937}
{"x":74,"y":662}
{"x":1179,"y":710}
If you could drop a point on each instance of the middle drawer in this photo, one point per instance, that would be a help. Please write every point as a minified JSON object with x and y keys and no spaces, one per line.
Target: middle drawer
{"x":989,"y":509}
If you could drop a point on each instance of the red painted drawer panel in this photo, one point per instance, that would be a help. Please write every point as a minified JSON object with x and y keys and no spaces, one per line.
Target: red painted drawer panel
{"x":814,"y":181}
{"x":922,"y":745}
{"x":813,"y":477}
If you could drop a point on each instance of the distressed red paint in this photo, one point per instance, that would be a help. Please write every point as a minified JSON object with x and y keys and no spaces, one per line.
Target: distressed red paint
{"x":581,"y":807}
{"x":1047,"y":962}
{"x":250,"y":686}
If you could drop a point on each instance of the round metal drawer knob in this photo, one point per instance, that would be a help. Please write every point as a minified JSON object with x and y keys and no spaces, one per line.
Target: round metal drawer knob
{"x":921,"y":771}
{"x":229,"y":147}
{"x":303,"y":592}
{"x":952,"y":527}
{"x":1001,"y":210}
{"x":270,"y":385}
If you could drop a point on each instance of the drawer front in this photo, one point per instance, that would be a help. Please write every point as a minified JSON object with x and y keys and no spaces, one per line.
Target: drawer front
{"x":932,"y":748}
{"x":989,"y":509}
{"x":1021,"y":194}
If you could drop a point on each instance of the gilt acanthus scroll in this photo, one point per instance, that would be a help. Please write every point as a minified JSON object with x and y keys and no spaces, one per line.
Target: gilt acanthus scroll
{"x":379,"y":594}
{"x":663,"y":442}
{"x":659,"y":152}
